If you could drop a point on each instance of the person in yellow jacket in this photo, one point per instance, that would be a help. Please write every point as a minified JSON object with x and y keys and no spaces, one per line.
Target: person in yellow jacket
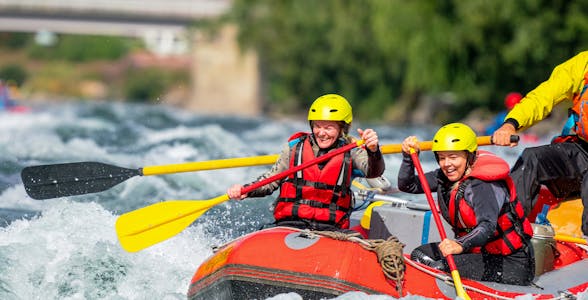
{"x":561,"y":166}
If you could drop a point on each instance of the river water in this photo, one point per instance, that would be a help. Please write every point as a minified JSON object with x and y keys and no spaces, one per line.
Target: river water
{"x":67,"y":248}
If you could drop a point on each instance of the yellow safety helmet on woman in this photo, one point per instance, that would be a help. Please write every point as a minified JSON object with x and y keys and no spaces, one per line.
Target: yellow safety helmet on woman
{"x":455,"y":137}
{"x":330,"y":107}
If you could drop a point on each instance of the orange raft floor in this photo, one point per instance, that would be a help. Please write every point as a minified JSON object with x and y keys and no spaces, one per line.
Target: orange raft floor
{"x":281,"y":260}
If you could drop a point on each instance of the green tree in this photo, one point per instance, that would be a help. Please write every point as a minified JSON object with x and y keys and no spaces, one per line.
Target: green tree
{"x":386,"y":55}
{"x":83,"y":48}
{"x":13,"y":73}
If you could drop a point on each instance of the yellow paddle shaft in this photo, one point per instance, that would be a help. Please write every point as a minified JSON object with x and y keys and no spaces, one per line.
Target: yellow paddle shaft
{"x":427,"y":145}
{"x":211,"y":165}
{"x":264,"y":160}
{"x":570,"y":239}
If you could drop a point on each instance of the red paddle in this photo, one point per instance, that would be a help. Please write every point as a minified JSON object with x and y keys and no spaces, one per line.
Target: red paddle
{"x":425,"y":185}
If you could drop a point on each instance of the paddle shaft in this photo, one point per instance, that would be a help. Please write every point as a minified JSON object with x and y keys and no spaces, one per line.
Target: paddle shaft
{"x":70,"y":179}
{"x":265,"y":160}
{"x":210,"y":165}
{"x":450,"y":261}
{"x":570,"y":239}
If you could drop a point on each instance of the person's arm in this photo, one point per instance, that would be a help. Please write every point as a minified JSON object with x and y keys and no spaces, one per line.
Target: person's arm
{"x":488,"y":198}
{"x":565,"y":82}
{"x":281,"y":165}
{"x":408,"y":181}
{"x":376,"y":164}
{"x":366,"y":163}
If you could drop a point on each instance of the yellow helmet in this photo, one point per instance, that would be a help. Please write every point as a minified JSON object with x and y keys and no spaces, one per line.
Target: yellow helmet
{"x":455,"y":137}
{"x":330,"y":107}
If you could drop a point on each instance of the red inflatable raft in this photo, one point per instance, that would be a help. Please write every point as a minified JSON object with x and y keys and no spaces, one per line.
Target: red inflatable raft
{"x":281,"y":260}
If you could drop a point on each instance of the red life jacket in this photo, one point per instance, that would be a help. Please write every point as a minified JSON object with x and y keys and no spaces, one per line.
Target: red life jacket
{"x":322,"y":195}
{"x":511,"y":224}
{"x":579,"y":114}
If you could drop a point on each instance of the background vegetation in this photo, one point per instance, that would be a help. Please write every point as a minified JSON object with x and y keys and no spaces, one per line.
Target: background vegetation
{"x":388,"y":57}
{"x":84,"y":67}
{"x":393,"y":59}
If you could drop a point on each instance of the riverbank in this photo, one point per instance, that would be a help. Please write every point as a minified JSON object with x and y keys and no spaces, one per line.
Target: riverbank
{"x":112,"y":80}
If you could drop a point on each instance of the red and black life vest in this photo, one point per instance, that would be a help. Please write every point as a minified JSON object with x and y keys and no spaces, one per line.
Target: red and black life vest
{"x":318,"y":194}
{"x":512,"y":226}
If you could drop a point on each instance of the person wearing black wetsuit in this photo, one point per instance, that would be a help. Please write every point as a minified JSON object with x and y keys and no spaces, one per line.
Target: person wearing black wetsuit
{"x":476,"y":196}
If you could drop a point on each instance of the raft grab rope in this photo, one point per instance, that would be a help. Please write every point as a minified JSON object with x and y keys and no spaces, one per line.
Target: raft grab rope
{"x":388,"y":252}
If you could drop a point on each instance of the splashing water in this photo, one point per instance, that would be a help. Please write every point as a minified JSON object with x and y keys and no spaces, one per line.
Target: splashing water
{"x":67,"y":248}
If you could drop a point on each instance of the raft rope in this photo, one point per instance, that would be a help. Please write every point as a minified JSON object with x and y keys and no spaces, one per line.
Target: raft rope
{"x":391,"y":258}
{"x":388,"y":252}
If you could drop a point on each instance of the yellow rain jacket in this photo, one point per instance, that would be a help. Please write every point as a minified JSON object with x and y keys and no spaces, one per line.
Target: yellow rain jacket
{"x":565,"y":83}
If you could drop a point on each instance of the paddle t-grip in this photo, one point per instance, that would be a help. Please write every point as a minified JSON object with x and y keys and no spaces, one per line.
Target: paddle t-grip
{"x":513,"y":139}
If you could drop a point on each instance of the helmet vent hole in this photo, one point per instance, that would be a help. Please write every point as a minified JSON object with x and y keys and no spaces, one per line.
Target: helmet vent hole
{"x":333,"y":110}
{"x":455,"y":140}
{"x":313,"y":110}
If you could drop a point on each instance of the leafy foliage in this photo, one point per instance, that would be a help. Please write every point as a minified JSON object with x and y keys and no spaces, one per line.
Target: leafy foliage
{"x":13,"y":73}
{"x":150,"y":84}
{"x":13,"y":40}
{"x":82,"y":48}
{"x":387,"y":55}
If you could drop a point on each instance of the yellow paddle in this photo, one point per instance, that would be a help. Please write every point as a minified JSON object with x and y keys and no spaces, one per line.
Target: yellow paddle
{"x":77,"y":178}
{"x":139,"y":229}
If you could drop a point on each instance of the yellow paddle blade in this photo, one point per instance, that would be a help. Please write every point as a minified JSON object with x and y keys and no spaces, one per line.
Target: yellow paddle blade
{"x":139,"y":229}
{"x":367,"y":215}
{"x":461,"y":293}
{"x":566,"y":217}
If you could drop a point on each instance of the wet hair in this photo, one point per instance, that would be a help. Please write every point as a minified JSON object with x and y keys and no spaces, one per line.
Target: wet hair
{"x":344,"y":128}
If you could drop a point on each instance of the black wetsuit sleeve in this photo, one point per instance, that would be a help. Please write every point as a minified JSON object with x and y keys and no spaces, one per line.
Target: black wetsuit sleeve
{"x":376,"y":164}
{"x":409,"y":182}
{"x":512,"y":122}
{"x":487,"y":201}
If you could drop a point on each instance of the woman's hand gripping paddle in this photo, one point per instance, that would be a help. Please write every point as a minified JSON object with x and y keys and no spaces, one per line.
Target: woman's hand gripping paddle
{"x":425,"y":185}
{"x":139,"y":229}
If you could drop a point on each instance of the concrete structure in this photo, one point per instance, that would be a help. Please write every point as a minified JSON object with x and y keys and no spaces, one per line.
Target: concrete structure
{"x":224,"y":80}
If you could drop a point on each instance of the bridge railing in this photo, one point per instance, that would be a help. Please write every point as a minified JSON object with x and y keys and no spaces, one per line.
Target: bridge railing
{"x":159,"y":8}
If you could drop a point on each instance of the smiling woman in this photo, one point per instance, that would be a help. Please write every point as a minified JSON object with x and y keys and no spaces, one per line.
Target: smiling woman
{"x":476,"y":196}
{"x":319,"y":197}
